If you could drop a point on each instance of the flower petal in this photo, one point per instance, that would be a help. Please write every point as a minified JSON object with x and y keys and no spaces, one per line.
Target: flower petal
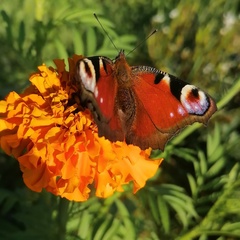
{"x":57,"y":144}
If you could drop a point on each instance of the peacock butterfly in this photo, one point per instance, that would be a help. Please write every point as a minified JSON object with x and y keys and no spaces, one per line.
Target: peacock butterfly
{"x":139,"y":104}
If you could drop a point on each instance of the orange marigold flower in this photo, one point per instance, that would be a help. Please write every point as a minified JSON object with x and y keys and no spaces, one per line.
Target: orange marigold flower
{"x":57,"y":145}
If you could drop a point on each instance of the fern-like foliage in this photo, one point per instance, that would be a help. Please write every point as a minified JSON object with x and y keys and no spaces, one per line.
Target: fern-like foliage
{"x":195,"y":194}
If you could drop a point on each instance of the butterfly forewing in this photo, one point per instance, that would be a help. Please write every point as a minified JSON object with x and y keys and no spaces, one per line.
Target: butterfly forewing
{"x":175,"y":102}
{"x":98,"y":91}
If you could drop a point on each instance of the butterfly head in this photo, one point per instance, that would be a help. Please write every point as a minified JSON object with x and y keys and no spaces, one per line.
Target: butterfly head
{"x":122,"y":69}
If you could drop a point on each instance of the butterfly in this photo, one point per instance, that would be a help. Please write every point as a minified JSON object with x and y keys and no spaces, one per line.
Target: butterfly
{"x":139,"y":104}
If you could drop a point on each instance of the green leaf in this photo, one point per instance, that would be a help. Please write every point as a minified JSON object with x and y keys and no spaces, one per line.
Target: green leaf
{"x":113,"y":230}
{"x":193,"y":185}
{"x":68,"y":15}
{"x":122,"y":208}
{"x":181,"y":203}
{"x":203,"y":162}
{"x":152,"y":201}
{"x":216,"y":168}
{"x":213,"y":141}
{"x":85,"y":224}
{"x":103,"y":227}
{"x":8,"y":21}
{"x":78,"y":45}
{"x":181,"y":214}
{"x":234,"y":173}
{"x":129,"y":230}
{"x":235,"y":227}
{"x":186,"y":154}
{"x":7,"y":200}
{"x":61,"y":49}
{"x":21,"y":36}
{"x":91,"y":42}
{"x":217,"y":154}
{"x":164,"y":213}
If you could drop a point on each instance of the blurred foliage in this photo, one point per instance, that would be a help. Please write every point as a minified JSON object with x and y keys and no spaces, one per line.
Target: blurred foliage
{"x":195,"y":194}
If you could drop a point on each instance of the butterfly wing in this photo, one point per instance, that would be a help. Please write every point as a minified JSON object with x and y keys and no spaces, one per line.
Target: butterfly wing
{"x":98,"y":91}
{"x":164,"y":105}
{"x":141,"y":105}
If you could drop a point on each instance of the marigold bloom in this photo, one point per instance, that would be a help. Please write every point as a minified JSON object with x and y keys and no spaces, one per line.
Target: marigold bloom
{"x":57,"y":145}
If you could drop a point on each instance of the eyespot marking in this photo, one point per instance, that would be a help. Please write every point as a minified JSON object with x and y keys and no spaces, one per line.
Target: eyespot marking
{"x":194,"y":100}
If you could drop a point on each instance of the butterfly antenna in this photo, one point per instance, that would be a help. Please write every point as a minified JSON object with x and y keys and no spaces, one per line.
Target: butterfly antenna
{"x":144,"y":40}
{"x":95,"y":15}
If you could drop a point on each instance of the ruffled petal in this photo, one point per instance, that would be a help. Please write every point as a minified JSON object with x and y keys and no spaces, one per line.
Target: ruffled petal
{"x":57,"y":145}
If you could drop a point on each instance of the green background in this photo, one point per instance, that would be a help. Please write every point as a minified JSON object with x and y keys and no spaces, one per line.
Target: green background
{"x":195,"y":193}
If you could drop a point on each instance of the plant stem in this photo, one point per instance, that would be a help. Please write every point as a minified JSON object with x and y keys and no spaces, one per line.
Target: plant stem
{"x":62,"y":218}
{"x":230,"y":94}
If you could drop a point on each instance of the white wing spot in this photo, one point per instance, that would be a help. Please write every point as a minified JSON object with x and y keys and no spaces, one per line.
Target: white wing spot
{"x":96,"y":92}
{"x":181,"y":111}
{"x":101,"y":100}
{"x":166,"y":78}
{"x":88,"y":80}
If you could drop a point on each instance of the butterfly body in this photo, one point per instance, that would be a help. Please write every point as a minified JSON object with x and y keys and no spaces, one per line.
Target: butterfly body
{"x":139,"y":104}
